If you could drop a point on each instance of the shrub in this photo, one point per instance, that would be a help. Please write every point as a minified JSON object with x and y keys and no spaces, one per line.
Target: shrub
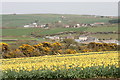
{"x":46,"y":44}
{"x":86,"y":50}
{"x":4,"y":47}
{"x":70,"y":51}
{"x":27,"y":49}
{"x":102,"y":46}
{"x":56,"y":48}
{"x":13,"y":54}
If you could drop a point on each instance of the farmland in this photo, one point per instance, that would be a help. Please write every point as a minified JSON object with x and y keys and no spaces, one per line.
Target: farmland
{"x":35,"y":56}
{"x":106,"y":36}
{"x":103,"y":29}
{"x":28,"y":31}
{"x":97,"y":64}
{"x":25,"y":33}
{"x":19,"y":20}
{"x":12,"y":25}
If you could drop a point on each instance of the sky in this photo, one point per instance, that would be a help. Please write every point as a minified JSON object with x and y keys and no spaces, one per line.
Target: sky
{"x":59,"y":0}
{"x":81,"y":8}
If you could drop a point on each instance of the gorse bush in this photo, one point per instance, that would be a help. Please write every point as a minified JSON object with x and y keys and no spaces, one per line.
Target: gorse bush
{"x":70,"y":51}
{"x":102,"y":46}
{"x":27,"y":49}
{"x":13,"y":54}
{"x":4,"y":47}
{"x":47,"y":48}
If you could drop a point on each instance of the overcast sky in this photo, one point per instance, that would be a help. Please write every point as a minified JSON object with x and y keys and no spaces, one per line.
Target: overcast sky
{"x":87,"y":8}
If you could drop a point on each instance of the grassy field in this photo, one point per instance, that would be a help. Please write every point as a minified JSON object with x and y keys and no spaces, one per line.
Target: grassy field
{"x":58,"y":30}
{"x":19,"y":31}
{"x":39,"y":31}
{"x":83,"y":65}
{"x":21,"y":19}
{"x":102,"y":29}
{"x":106,"y":36}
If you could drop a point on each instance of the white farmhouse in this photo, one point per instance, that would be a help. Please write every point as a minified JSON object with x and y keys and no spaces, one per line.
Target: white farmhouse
{"x":26,"y":26}
{"x":34,"y":24}
{"x":67,"y":26}
{"x":83,"y":38}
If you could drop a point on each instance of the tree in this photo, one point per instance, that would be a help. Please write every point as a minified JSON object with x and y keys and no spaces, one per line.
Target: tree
{"x":69,"y":42}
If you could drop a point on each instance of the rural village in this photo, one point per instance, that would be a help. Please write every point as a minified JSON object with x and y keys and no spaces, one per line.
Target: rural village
{"x":84,"y":38}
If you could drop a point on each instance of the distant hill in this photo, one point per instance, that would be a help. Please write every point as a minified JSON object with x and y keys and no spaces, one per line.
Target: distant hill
{"x":19,"y":20}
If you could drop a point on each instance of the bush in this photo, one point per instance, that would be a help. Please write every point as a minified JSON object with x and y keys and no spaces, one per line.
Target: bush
{"x":102,"y":46}
{"x":70,"y":51}
{"x":4,"y":47}
{"x":46,"y":44}
{"x":56,"y":48}
{"x":46,"y":48}
{"x":86,"y":50}
{"x":13,"y":54}
{"x":27,"y":50}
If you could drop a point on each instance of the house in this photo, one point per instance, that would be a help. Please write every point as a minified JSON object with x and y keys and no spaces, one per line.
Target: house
{"x":86,"y":39}
{"x":67,"y":26}
{"x":84,"y":25}
{"x":83,"y":38}
{"x":42,"y":26}
{"x":53,"y":37}
{"x":99,"y":23}
{"x":63,"y":17}
{"x":59,"y":21}
{"x":76,"y":26}
{"x":34,"y":24}
{"x":92,"y":39}
{"x":31,"y":25}
{"x":26,"y":26}
{"x":69,"y":37}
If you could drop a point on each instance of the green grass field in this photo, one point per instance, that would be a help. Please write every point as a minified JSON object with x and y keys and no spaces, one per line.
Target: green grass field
{"x":102,"y":29}
{"x":19,"y":31}
{"x":21,"y":19}
{"x":39,"y":31}
{"x":58,"y":30}
{"x":105,"y":36}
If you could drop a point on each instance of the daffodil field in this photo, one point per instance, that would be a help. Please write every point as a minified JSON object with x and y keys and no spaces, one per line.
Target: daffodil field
{"x":103,"y":64}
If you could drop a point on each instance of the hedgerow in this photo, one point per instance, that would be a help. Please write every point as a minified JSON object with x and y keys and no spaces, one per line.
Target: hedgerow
{"x":47,"y":48}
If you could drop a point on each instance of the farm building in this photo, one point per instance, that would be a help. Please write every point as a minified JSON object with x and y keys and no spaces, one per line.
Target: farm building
{"x":69,"y":37}
{"x":86,"y":39}
{"x":83,"y":38}
{"x":31,"y":25}
{"x":99,"y":23}
{"x":53,"y":37}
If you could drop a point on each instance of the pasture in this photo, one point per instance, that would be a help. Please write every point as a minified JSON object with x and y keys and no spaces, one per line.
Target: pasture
{"x":106,"y":36}
{"x":20,"y":20}
{"x":39,"y":31}
{"x":28,"y":31}
{"x":102,"y":29}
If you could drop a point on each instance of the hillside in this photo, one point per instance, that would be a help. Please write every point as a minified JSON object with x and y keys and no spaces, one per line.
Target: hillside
{"x":21,"y":19}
